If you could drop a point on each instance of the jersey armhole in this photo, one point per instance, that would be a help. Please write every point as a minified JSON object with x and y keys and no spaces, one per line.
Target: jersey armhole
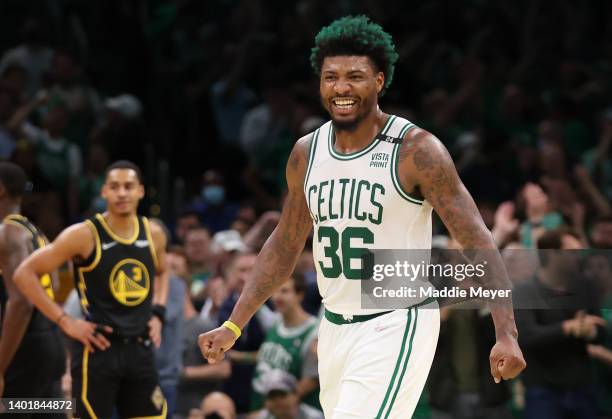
{"x":395,"y":168}
{"x":311,"y":156}
{"x":147,"y":228}
{"x":89,"y":263}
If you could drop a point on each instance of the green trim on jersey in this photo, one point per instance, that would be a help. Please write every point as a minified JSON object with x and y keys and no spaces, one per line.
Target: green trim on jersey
{"x":313,"y":148}
{"x":400,"y":363}
{"x":356,"y":154}
{"x":401,"y":377}
{"x":395,"y":172}
{"x":358,"y":318}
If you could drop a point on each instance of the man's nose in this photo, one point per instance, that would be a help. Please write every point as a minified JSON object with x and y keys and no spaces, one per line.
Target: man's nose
{"x":342,"y":87}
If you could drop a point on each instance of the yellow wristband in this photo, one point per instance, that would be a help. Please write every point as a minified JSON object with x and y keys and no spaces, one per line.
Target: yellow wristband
{"x":233,"y":327}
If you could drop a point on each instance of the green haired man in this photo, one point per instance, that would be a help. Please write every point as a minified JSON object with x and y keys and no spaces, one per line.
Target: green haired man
{"x":367,"y":180}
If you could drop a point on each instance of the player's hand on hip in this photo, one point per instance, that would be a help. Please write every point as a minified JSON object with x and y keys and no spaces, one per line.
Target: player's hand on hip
{"x":155,"y":331}
{"x":88,"y":333}
{"x":215,"y":343}
{"x":506,"y":359}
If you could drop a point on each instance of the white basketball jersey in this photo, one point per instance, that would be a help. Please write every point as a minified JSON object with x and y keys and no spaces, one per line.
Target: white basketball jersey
{"x":356,"y":201}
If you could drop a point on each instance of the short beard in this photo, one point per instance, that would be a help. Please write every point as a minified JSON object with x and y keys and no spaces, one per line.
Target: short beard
{"x":346,"y":126}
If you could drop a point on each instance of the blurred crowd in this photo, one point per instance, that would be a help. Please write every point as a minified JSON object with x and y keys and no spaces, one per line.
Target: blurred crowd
{"x":209,"y":98}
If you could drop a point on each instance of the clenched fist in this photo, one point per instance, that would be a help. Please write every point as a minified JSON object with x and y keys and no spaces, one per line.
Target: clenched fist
{"x":215,"y":343}
{"x":506,"y":359}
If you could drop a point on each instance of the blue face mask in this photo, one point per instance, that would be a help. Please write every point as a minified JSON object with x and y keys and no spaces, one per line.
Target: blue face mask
{"x":213,"y":194}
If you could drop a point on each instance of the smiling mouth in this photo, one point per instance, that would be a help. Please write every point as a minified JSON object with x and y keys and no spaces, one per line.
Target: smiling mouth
{"x":344,"y":103}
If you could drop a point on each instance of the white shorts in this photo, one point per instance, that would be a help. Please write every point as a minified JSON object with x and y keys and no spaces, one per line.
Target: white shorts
{"x":377,"y":368}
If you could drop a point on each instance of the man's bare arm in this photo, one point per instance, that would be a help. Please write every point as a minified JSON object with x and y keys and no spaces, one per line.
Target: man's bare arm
{"x":75,"y":241}
{"x":71,"y":243}
{"x":425,"y":164}
{"x":280,"y":253}
{"x":15,"y":245}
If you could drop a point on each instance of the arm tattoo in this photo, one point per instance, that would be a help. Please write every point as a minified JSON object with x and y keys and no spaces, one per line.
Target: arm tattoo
{"x":441,"y":186}
{"x":280,"y":253}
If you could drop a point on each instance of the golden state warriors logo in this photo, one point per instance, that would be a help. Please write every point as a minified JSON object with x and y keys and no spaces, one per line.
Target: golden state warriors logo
{"x":129,"y":282}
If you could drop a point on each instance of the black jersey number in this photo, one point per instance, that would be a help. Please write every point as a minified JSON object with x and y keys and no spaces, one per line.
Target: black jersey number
{"x":333,"y":266}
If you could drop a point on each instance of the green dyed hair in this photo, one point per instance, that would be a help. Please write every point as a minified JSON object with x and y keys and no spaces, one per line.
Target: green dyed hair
{"x":356,"y":35}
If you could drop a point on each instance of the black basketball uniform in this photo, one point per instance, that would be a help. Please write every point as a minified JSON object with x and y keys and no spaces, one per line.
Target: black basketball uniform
{"x":39,"y":363}
{"x":115,"y":285}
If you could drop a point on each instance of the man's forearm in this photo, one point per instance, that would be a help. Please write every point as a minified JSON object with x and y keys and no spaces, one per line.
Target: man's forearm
{"x":274,"y":265}
{"x":502,"y":309}
{"x":30,"y":287}
{"x":486,"y":252}
{"x":16,"y":319}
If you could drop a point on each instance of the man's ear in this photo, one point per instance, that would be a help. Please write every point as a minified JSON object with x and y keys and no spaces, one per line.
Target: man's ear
{"x":380,"y":82}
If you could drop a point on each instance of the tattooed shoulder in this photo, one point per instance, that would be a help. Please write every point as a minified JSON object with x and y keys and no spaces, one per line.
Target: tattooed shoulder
{"x":298,"y":159}
{"x":421,"y":155}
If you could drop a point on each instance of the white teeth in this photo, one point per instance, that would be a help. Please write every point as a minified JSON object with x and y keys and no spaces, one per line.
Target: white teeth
{"x":344,"y":103}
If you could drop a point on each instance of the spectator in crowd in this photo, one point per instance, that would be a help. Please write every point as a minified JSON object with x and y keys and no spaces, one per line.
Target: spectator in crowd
{"x":33,"y":55}
{"x":601,"y":233}
{"x":539,"y":214}
{"x":121,"y":129}
{"x":224,"y":245}
{"x":213,"y":208}
{"x":198,"y":378}
{"x":243,"y":355}
{"x":200,"y":259}
{"x":215,"y":405}
{"x":15,"y":77}
{"x":169,"y":355}
{"x":287,"y":345}
{"x":216,"y":293}
{"x":68,"y":84}
{"x":598,"y":269}
{"x":90,"y":184}
{"x":459,"y":384}
{"x":554,"y":339}
{"x":186,"y":220}
{"x":282,"y":400}
{"x":177,"y":262}
{"x":58,"y":162}
{"x":598,"y":160}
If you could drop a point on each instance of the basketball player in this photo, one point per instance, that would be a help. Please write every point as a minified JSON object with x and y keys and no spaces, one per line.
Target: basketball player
{"x":117,"y":256}
{"x":32,"y":357}
{"x":366,"y":179}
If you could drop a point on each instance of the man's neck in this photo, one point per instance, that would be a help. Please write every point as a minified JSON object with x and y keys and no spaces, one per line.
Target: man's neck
{"x":350,"y":141}
{"x":295,"y":317}
{"x":7,"y":208}
{"x":123,"y":226}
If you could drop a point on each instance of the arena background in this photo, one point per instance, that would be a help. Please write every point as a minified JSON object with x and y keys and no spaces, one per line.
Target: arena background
{"x":208,"y":97}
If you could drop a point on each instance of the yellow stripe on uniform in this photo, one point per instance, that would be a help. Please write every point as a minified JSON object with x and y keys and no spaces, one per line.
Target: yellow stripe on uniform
{"x":114,"y":236}
{"x":84,"y":385}
{"x":98,"y":252}
{"x":147,"y":227}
